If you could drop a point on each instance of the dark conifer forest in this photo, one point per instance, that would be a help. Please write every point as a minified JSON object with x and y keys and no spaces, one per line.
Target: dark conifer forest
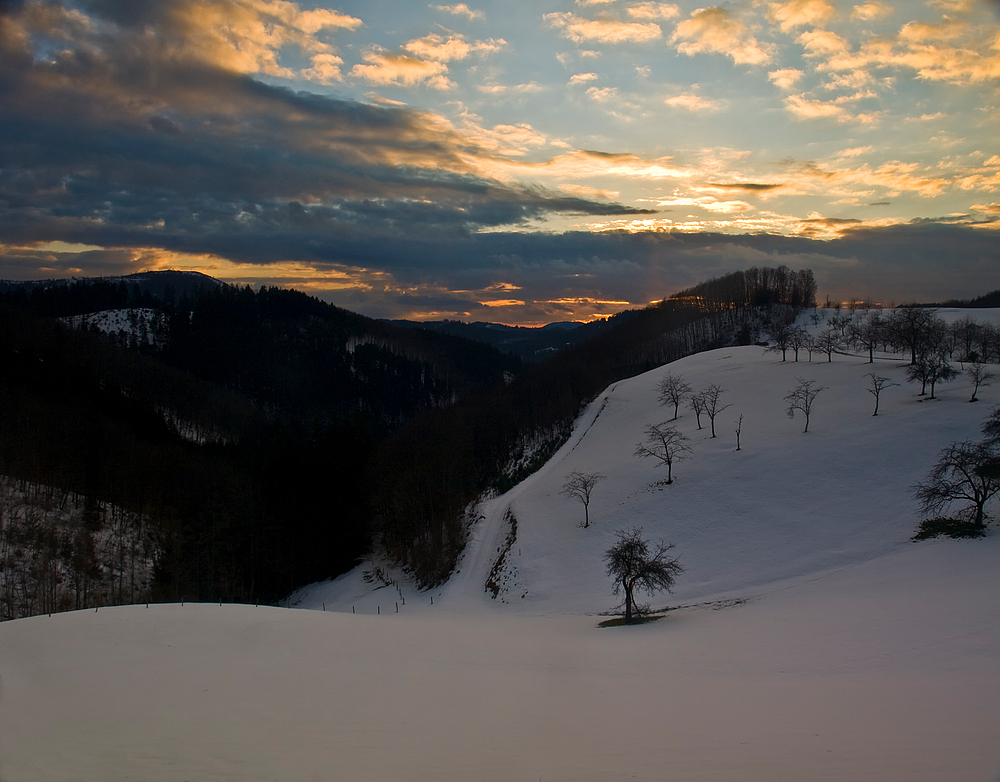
{"x":246,"y":435}
{"x":270,"y":440}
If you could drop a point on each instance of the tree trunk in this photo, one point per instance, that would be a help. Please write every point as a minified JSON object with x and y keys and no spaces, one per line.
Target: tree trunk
{"x":980,"y":516}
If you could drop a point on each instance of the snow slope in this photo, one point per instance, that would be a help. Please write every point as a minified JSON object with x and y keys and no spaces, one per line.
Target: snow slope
{"x":789,"y":505}
{"x":815,"y":641}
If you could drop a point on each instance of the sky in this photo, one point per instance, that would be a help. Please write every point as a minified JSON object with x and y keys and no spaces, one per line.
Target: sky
{"x":516,"y":162}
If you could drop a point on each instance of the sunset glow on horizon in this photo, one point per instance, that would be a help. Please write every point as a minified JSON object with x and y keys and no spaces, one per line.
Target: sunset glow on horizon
{"x":512,"y":162}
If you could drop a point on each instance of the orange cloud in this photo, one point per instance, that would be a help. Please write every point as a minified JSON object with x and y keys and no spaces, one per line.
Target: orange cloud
{"x":325,"y":69}
{"x":869,"y":11}
{"x":515,"y":140}
{"x":945,"y":30}
{"x":585,"y":191}
{"x":785,"y":78}
{"x":581,"y":164}
{"x":461,"y":9}
{"x":654,"y":11}
{"x":454,"y":47}
{"x":602,"y":94}
{"x":691,"y":102}
{"x":895,"y":177}
{"x":798,"y":13}
{"x":951,"y":50}
{"x":578,"y":29}
{"x":804,"y":108}
{"x":384,"y":68}
{"x":500,"y":89}
{"x":248,"y":35}
{"x":715,"y":30}
{"x":822,"y":43}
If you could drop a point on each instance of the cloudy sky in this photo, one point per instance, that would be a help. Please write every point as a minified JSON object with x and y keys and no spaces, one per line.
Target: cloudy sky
{"x":519,"y":162}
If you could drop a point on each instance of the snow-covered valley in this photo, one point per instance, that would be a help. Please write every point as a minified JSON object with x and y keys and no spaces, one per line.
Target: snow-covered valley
{"x":811,"y":638}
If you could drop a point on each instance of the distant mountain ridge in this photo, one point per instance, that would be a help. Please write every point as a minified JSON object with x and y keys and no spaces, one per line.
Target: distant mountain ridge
{"x":530,"y":343}
{"x":155,"y":282}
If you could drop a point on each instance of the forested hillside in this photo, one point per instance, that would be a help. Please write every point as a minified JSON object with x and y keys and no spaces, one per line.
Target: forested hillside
{"x":243,"y":434}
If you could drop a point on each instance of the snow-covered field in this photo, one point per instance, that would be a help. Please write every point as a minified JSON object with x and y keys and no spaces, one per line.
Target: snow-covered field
{"x":814,"y":641}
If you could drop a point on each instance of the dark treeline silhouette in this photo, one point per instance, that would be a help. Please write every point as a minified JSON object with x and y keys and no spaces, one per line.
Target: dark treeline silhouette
{"x":991,"y":299}
{"x":167,"y":290}
{"x":442,"y":460}
{"x":756,"y":286}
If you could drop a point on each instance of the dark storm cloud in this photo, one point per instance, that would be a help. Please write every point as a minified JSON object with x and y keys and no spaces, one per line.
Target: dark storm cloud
{"x":898,"y":264}
{"x":112,"y":139}
{"x":903,"y":261}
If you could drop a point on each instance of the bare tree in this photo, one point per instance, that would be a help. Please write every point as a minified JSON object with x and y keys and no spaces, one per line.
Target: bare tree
{"x":878,"y":384}
{"x":634,"y":564}
{"x":980,"y":377}
{"x":697,"y":403}
{"x":781,"y":338}
{"x":801,"y":398}
{"x":868,"y":333}
{"x":665,"y":444}
{"x":739,"y":430}
{"x":673,"y":391}
{"x":915,"y":328}
{"x":798,"y":337}
{"x":930,"y":369}
{"x":810,"y":346}
{"x":713,"y":406}
{"x":965,"y":472}
{"x":840,"y":321}
{"x":828,"y":342}
{"x":579,"y":486}
{"x":965,"y":333}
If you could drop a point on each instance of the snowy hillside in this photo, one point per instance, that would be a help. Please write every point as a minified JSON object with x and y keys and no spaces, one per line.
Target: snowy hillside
{"x":812,"y":640}
{"x":788,"y":505}
{"x":138,"y":325}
